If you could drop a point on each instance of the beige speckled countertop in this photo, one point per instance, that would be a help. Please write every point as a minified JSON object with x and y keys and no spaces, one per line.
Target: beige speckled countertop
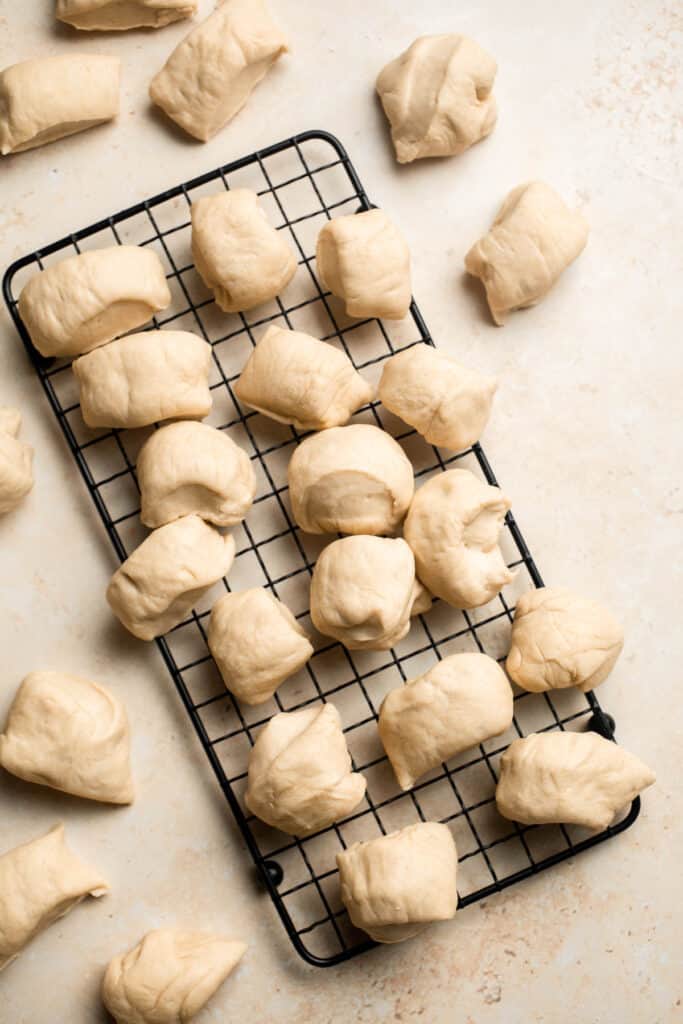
{"x":586,"y":438}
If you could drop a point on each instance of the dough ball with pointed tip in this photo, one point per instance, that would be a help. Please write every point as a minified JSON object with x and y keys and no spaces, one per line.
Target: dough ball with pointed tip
{"x":16,"y":461}
{"x":119,"y":15}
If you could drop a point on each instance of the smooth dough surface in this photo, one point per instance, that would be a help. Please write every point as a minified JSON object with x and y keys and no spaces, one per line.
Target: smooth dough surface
{"x":118,"y":15}
{"x":396,"y":885}
{"x":16,"y":461}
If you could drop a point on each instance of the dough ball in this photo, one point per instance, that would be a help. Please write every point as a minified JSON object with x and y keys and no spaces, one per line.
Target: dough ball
{"x":453,"y":527}
{"x":158,"y":585}
{"x":575,"y":778}
{"x":560,"y":639}
{"x":354,"y":479}
{"x":117,"y":15}
{"x":256,"y":643}
{"x":437,"y":97}
{"x":364,"y":259}
{"x":460,"y":702}
{"x":16,"y":461}
{"x":190,"y":467}
{"x":534,"y":237}
{"x":300,"y":774}
{"x":294,"y":378}
{"x":395,"y":885}
{"x":70,"y":734}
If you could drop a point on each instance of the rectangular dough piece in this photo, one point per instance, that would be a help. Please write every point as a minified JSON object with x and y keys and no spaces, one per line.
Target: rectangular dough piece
{"x":119,"y":15}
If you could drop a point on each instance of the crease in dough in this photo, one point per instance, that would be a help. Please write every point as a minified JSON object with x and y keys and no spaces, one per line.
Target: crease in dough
{"x":120,"y":15}
{"x":16,"y":461}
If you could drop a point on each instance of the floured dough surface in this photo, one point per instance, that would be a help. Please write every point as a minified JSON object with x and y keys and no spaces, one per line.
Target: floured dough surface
{"x":16,"y":461}
{"x":118,"y":15}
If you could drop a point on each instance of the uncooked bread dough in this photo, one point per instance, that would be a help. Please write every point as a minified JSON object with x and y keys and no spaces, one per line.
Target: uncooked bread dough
{"x":40,"y":881}
{"x":86,"y":300}
{"x":256,"y":643}
{"x":534,"y":237}
{"x":437,"y":96}
{"x":117,"y":15}
{"x":445,"y":402}
{"x":165,"y":576}
{"x":354,"y":479}
{"x":575,"y":778}
{"x":460,"y":702}
{"x":211,"y":73}
{"x":169,"y":976}
{"x":70,"y":734}
{"x":453,"y":527}
{"x":300,"y":774}
{"x":16,"y":461}
{"x":364,"y":591}
{"x":561,"y":639}
{"x":238,"y":254}
{"x":395,"y":885}
{"x":145,"y":378}
{"x":364,"y":259}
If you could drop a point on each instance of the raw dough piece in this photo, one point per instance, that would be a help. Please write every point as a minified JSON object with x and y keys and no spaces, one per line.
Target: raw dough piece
{"x":238,"y":254}
{"x":300,"y":774}
{"x":534,"y":237}
{"x":257,"y":643}
{"x":48,"y":98}
{"x":460,"y":702}
{"x":437,"y":97}
{"x":395,"y":885}
{"x":70,"y":734}
{"x":165,"y":576}
{"x":145,"y":378}
{"x":211,"y":73}
{"x":40,"y":881}
{"x":364,"y":591}
{"x":364,"y":259}
{"x":118,"y":15}
{"x":354,"y":479}
{"x":445,"y":402}
{"x":560,"y":639}
{"x":453,"y":527}
{"x":169,"y":976}
{"x":16,"y":461}
{"x":574,"y":778}
{"x":294,"y":378}
{"x":86,"y":300}
{"x":190,"y":467}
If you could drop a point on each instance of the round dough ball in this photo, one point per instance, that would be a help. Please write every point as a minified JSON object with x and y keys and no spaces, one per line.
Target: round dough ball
{"x":16,"y":461}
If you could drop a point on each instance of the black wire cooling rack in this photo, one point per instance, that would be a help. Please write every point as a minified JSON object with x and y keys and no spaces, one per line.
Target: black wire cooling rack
{"x":302,"y":182}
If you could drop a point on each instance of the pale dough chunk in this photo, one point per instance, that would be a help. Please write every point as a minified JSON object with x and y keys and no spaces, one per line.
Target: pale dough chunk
{"x":294,"y":378}
{"x":16,"y":461}
{"x":238,"y":254}
{"x":534,"y":237}
{"x":86,"y":300}
{"x":445,"y":402}
{"x":364,"y":591}
{"x":364,"y":259}
{"x":453,"y":527}
{"x":572,"y":778}
{"x":460,"y":702}
{"x":256,"y":643}
{"x":169,"y":976}
{"x":40,"y":881}
{"x":145,"y":378}
{"x":396,"y":885}
{"x":437,"y":97}
{"x":165,"y":576}
{"x":70,"y":734}
{"x":354,"y":479}
{"x":190,"y":467}
{"x":210,"y":75}
{"x":118,"y":15}
{"x":300,"y":775}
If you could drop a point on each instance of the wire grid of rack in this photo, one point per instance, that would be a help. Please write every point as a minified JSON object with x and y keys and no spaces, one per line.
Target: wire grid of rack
{"x":302,"y":182}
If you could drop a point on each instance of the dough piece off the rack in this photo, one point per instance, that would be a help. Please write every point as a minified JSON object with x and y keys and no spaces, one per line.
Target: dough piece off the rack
{"x":86,"y":300}
{"x":571,"y":778}
{"x":16,"y":461}
{"x":300,"y":775}
{"x":395,"y":885}
{"x":119,"y":15}
{"x":354,"y":479}
{"x":561,"y":639}
{"x":162,"y":580}
{"x":169,"y":976}
{"x":457,"y":704}
{"x":453,"y":527}
{"x":145,"y":378}
{"x":70,"y":734}
{"x":211,"y":73}
{"x":256,"y":643}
